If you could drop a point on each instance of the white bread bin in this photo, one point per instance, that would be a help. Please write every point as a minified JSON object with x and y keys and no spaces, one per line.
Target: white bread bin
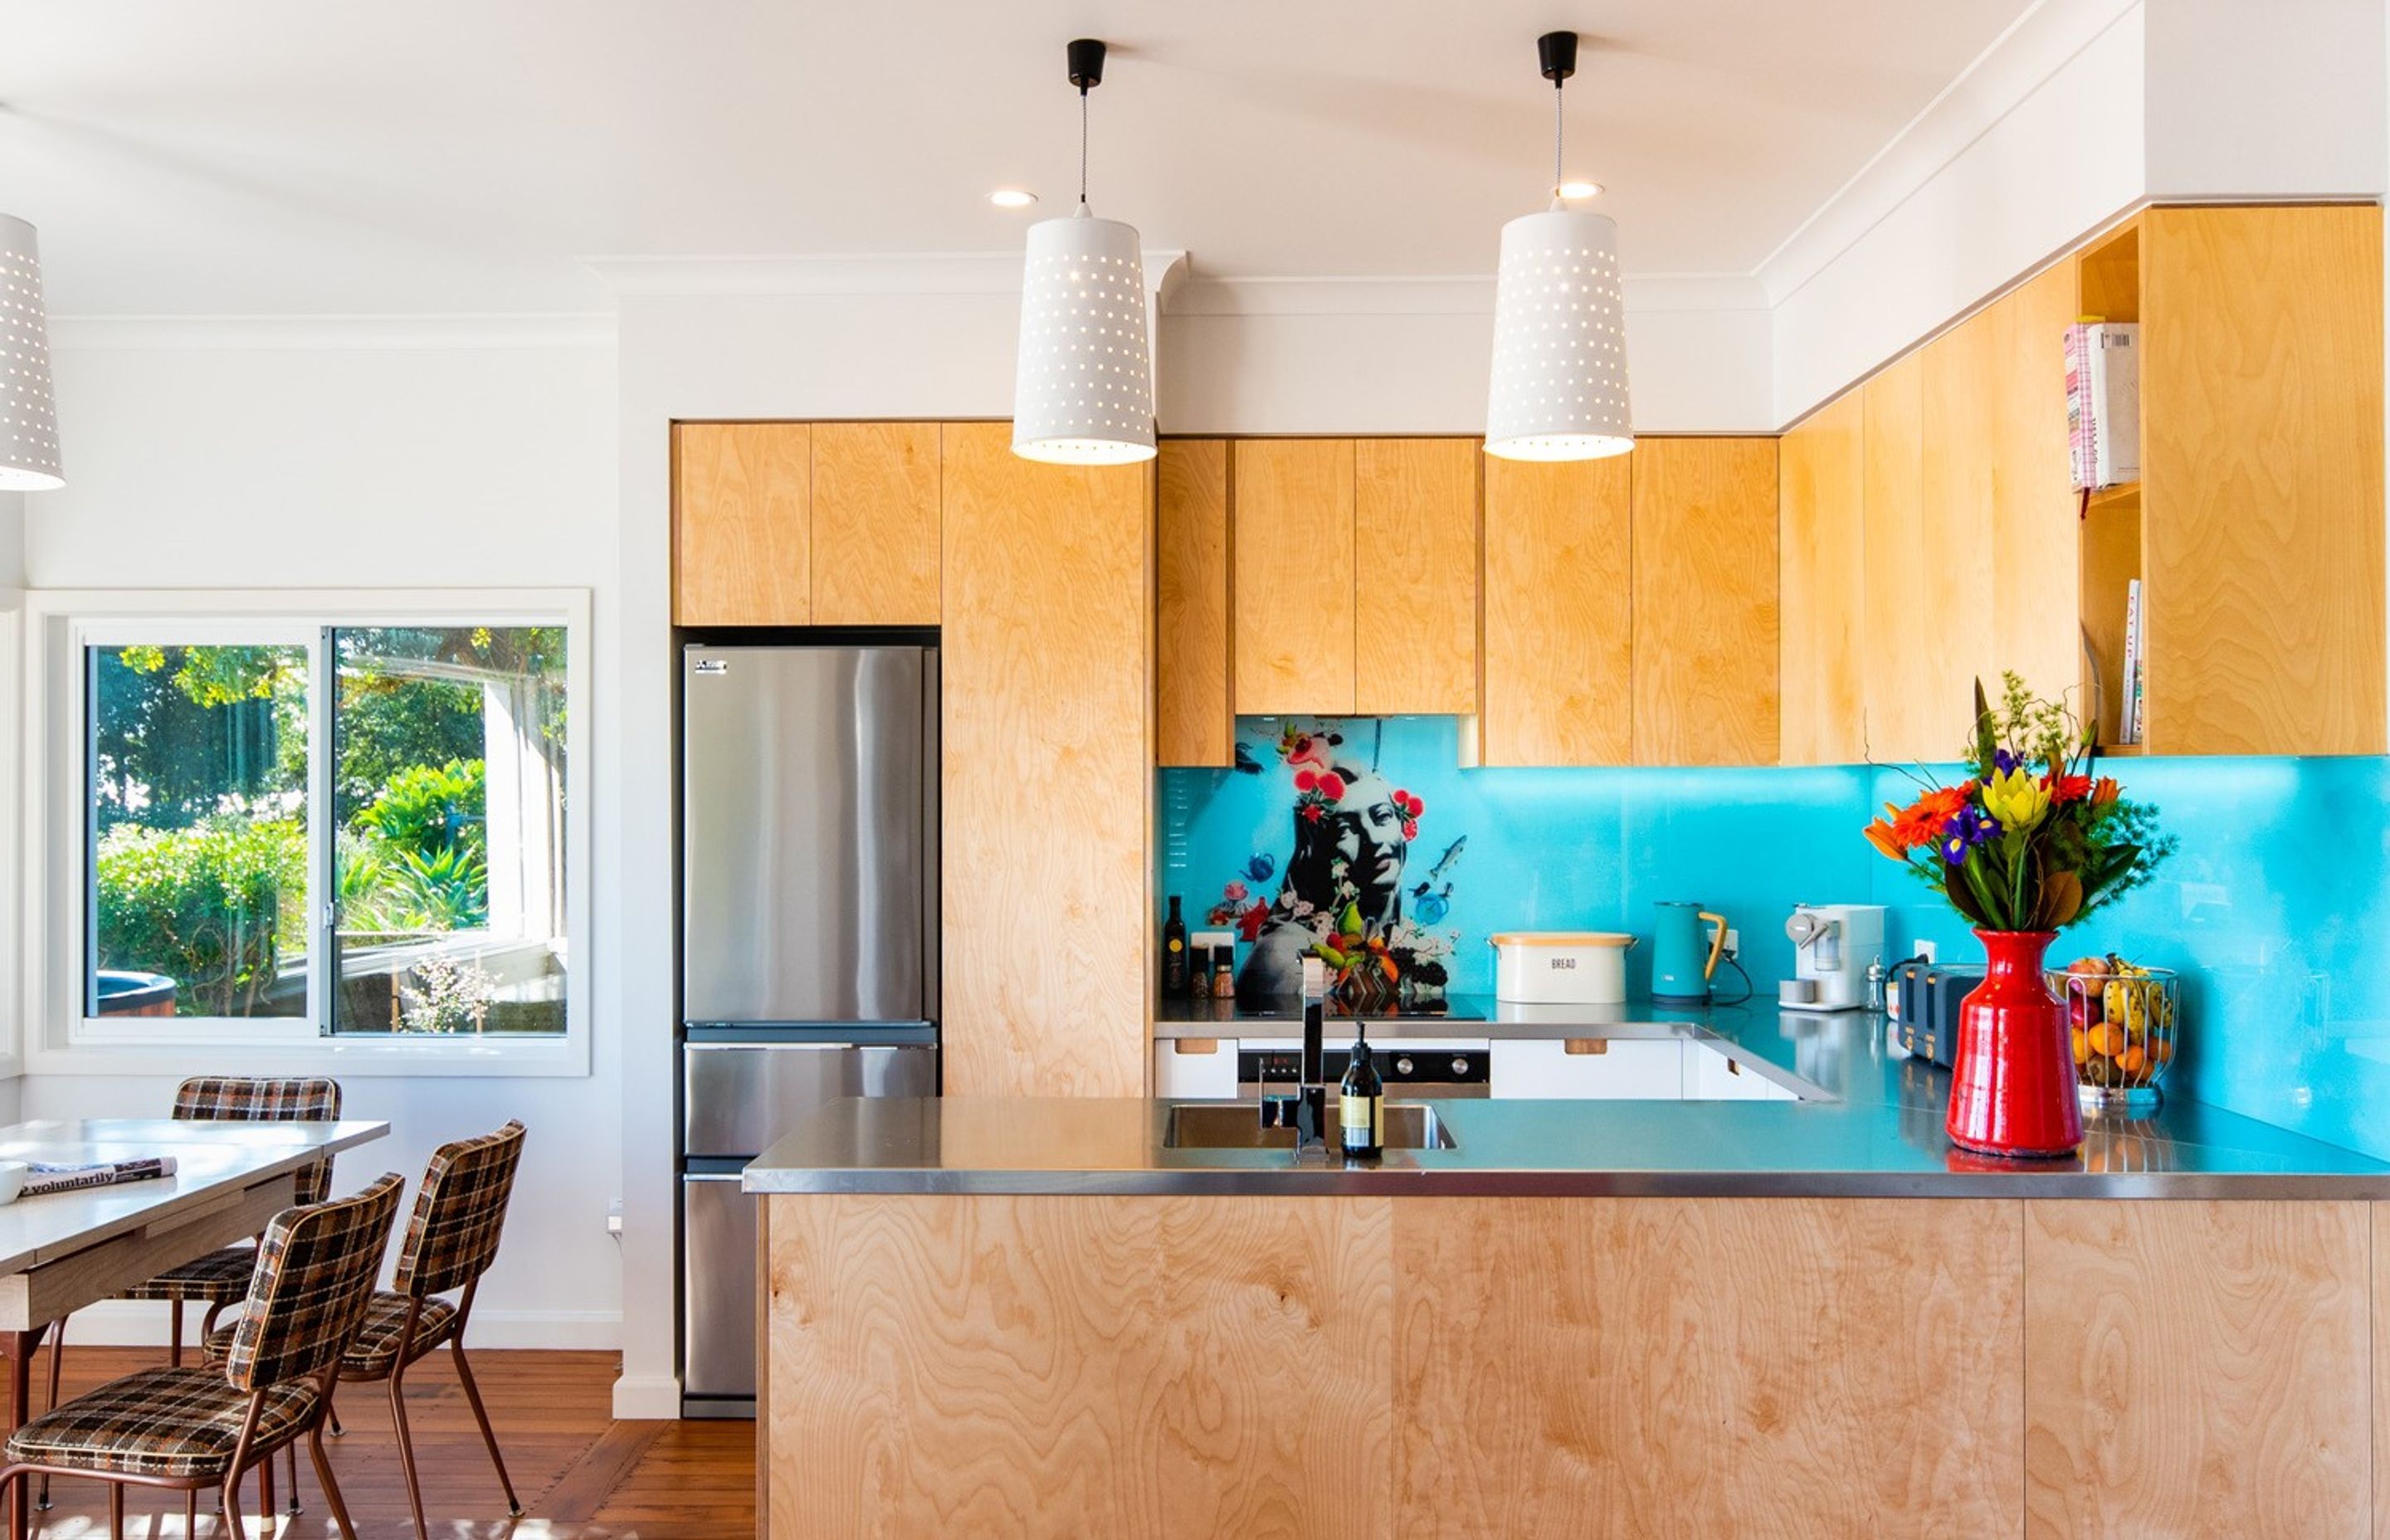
{"x":1575,"y":967}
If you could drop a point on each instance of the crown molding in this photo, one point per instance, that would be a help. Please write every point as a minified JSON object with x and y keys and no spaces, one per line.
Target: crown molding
{"x":1458,"y":294}
{"x":2033,"y":47}
{"x":105,"y":333}
{"x":882,"y":273}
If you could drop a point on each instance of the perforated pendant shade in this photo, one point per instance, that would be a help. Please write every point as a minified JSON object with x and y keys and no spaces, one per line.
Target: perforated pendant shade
{"x":1083,"y":394}
{"x":29,"y":426}
{"x":1559,"y":341}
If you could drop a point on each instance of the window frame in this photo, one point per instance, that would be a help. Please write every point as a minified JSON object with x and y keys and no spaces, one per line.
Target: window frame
{"x":60,"y":1037}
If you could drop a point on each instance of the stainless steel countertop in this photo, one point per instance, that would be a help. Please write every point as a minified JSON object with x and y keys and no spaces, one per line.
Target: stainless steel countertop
{"x":1871,"y":1127}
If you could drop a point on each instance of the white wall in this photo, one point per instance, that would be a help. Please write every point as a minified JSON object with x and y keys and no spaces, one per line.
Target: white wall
{"x":2282,"y":99}
{"x":398,"y":454}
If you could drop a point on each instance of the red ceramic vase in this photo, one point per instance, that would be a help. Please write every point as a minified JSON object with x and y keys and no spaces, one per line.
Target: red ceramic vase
{"x":2012,"y":1077}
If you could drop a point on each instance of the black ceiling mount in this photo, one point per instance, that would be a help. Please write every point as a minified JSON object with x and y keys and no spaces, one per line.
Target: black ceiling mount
{"x":1087,"y":56}
{"x":1558,"y":51}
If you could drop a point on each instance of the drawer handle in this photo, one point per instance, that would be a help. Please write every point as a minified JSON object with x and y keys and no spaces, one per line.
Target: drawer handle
{"x":1195,"y":1045}
{"x":1581,"y":1045}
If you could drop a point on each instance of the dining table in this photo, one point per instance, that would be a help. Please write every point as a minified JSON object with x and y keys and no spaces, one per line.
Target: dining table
{"x":62,"y":1250}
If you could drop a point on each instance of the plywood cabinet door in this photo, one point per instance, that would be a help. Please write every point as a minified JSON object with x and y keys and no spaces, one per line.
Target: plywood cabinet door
{"x":1957,"y":395}
{"x":1559,"y":638}
{"x":2037,"y":560}
{"x":1292,"y":536}
{"x":1821,"y":483}
{"x":1899,"y":681}
{"x":1415,"y":566}
{"x":1047,"y":772}
{"x":1706,"y":648}
{"x":2262,"y":478}
{"x":742,"y":523}
{"x":1194,"y":722}
{"x":875,"y":523}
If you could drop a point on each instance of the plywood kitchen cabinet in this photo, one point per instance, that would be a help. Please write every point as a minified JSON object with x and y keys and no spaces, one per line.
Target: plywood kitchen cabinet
{"x":875,"y":523}
{"x":742,"y":523}
{"x":2037,"y":570}
{"x":1046,"y":774}
{"x":2261,"y":496}
{"x":1704,"y":601}
{"x":1957,"y":447}
{"x":1415,"y":566}
{"x":1294,"y":559}
{"x":1559,"y":685}
{"x":1822,"y":475}
{"x":1194,"y":722}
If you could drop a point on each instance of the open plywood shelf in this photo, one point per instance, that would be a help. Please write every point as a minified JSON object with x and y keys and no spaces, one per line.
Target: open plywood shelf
{"x":2108,"y":286}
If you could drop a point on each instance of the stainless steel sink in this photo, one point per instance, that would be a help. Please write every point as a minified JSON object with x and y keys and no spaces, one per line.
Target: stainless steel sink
{"x":1237,"y":1125}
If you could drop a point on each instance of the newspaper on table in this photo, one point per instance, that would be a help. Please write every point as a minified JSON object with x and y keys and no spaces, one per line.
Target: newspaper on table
{"x":41,"y":1177}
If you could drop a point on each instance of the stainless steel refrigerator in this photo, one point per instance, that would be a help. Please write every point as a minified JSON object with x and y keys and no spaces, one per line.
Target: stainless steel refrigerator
{"x":809,"y":937}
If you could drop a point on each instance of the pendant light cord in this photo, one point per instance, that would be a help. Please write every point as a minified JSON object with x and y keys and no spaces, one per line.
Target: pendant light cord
{"x":1556,"y":139}
{"x":1082,"y":146}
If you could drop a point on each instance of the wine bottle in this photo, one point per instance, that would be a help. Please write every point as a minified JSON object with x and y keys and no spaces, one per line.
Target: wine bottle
{"x":1174,"y":952}
{"x":1361,"y":1102}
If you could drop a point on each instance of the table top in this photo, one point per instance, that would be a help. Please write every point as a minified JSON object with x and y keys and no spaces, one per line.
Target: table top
{"x":209,"y":1157}
{"x":1869,"y":1125}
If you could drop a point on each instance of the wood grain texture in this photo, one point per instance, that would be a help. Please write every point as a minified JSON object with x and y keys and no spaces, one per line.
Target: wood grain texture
{"x":1131,"y":1366}
{"x":1821,"y":478}
{"x":742,"y":523}
{"x":1959,"y":404}
{"x":1414,"y":560}
{"x":2262,"y":478}
{"x":1047,"y":771}
{"x":2197,"y":1369}
{"x":1559,"y":613}
{"x":1291,"y":540}
{"x":2036,"y":577}
{"x":2111,"y":553}
{"x":1764,"y":1368}
{"x":1900,"y":720}
{"x":1193,"y":722}
{"x":2108,"y":273}
{"x":1706,"y":642}
{"x":875,"y":531}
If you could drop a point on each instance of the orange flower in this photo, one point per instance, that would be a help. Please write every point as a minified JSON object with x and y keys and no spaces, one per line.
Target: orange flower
{"x":2105,"y":792}
{"x":2067,"y":788}
{"x":1880,"y":835}
{"x":1922,"y":822}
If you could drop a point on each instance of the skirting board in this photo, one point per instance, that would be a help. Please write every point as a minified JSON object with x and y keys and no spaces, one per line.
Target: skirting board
{"x":647,"y":1398}
{"x":139,"y":1323}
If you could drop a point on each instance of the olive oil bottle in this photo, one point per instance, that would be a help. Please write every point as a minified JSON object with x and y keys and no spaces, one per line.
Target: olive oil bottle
{"x":1361,"y":1102}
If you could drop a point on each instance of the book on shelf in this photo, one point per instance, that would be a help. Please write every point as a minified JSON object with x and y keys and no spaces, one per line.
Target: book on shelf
{"x":2104,"y":404}
{"x":2129,"y":715}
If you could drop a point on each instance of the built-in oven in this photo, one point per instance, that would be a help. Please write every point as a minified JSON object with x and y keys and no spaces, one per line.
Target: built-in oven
{"x":1409,"y":1069}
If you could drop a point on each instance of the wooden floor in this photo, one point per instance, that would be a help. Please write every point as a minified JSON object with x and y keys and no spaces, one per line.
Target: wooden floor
{"x":581,"y":1475}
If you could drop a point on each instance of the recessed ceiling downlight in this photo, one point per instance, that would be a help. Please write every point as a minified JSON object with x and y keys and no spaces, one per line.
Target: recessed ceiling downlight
{"x":1580,"y":189}
{"x":1013,"y":198}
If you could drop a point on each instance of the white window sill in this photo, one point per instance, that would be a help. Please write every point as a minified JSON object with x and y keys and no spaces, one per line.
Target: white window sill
{"x":561,"y":1057}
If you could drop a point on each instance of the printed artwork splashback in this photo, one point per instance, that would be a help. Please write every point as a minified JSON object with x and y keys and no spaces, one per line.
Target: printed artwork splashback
{"x":2276,"y":907}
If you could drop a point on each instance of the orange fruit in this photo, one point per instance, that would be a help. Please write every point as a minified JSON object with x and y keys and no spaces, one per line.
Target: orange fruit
{"x":2131,"y":1060}
{"x":2082,"y":1048}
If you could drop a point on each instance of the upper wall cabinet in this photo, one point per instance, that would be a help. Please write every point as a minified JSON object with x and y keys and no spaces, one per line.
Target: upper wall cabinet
{"x":1821,"y":468}
{"x":1415,"y":576}
{"x":1705,"y":601}
{"x":1293,"y":546}
{"x":875,"y":534}
{"x":742,"y":523}
{"x":1559,"y":631}
{"x":1193,"y":724}
{"x":794,"y":523}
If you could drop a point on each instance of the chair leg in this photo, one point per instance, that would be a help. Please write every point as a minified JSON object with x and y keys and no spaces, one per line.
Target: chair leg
{"x":232,"y":1506}
{"x":58,"y":1351}
{"x":290,"y":1452}
{"x":481,"y":1415}
{"x":407,"y":1450}
{"x":175,"y":1334}
{"x":19,"y":1521}
{"x":190,"y":1513}
{"x":115,"y":1511}
{"x":331,"y":1488}
{"x":265,"y":1490}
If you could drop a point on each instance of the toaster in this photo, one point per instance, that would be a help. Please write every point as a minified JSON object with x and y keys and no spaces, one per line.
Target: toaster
{"x":1929,"y":995}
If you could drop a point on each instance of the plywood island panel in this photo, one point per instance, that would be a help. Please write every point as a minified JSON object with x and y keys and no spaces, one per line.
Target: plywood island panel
{"x":1047,"y":772}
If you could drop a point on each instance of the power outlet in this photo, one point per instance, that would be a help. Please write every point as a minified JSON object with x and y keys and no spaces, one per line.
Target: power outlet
{"x":1734,"y":944}
{"x":1927,"y":950}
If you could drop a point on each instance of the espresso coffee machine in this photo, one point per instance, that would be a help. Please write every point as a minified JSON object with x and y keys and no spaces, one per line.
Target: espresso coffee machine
{"x":1832,"y":945}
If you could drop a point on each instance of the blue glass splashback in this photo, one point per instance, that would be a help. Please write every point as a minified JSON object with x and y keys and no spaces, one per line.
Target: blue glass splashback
{"x":2276,"y":907}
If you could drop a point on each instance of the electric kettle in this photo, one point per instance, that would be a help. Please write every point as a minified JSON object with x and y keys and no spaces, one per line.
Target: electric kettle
{"x":1682,"y":958}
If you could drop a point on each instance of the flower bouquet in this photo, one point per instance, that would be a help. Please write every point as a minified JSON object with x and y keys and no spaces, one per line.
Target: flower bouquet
{"x":2029,"y":843}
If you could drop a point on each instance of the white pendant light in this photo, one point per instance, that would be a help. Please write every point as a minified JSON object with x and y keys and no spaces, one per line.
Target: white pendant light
{"x":1559,"y":321}
{"x":29,"y":425}
{"x":1084,"y":392}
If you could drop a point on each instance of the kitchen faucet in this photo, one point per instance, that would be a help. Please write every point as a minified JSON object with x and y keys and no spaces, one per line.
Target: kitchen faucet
{"x":1305,"y":1110}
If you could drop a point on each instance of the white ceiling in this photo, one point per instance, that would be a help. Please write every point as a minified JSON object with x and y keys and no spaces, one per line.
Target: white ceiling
{"x":459,"y":156}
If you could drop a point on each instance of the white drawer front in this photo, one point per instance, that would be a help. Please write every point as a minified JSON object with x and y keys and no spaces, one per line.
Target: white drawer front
{"x":1625,"y":1070}
{"x":1208,"y":1074}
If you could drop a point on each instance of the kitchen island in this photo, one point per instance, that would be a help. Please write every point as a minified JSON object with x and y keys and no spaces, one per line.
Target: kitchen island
{"x":1027,"y":1316}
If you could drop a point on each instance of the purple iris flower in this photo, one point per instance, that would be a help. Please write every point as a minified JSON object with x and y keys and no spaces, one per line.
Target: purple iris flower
{"x":2004,"y":761}
{"x":1969,"y":829}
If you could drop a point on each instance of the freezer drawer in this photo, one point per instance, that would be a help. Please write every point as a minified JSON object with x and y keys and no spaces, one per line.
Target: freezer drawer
{"x":738,"y":1098}
{"x":718,"y":1289}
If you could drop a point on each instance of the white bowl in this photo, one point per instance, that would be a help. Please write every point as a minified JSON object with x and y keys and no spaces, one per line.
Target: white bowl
{"x":12,"y":1180}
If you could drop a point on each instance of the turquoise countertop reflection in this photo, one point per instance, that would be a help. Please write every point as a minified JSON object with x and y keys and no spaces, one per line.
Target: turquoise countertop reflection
{"x":2275,"y":908}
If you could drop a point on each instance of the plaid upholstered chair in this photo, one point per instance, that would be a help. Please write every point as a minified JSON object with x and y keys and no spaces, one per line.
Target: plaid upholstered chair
{"x":191,"y":1428}
{"x":451,"y":1240}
